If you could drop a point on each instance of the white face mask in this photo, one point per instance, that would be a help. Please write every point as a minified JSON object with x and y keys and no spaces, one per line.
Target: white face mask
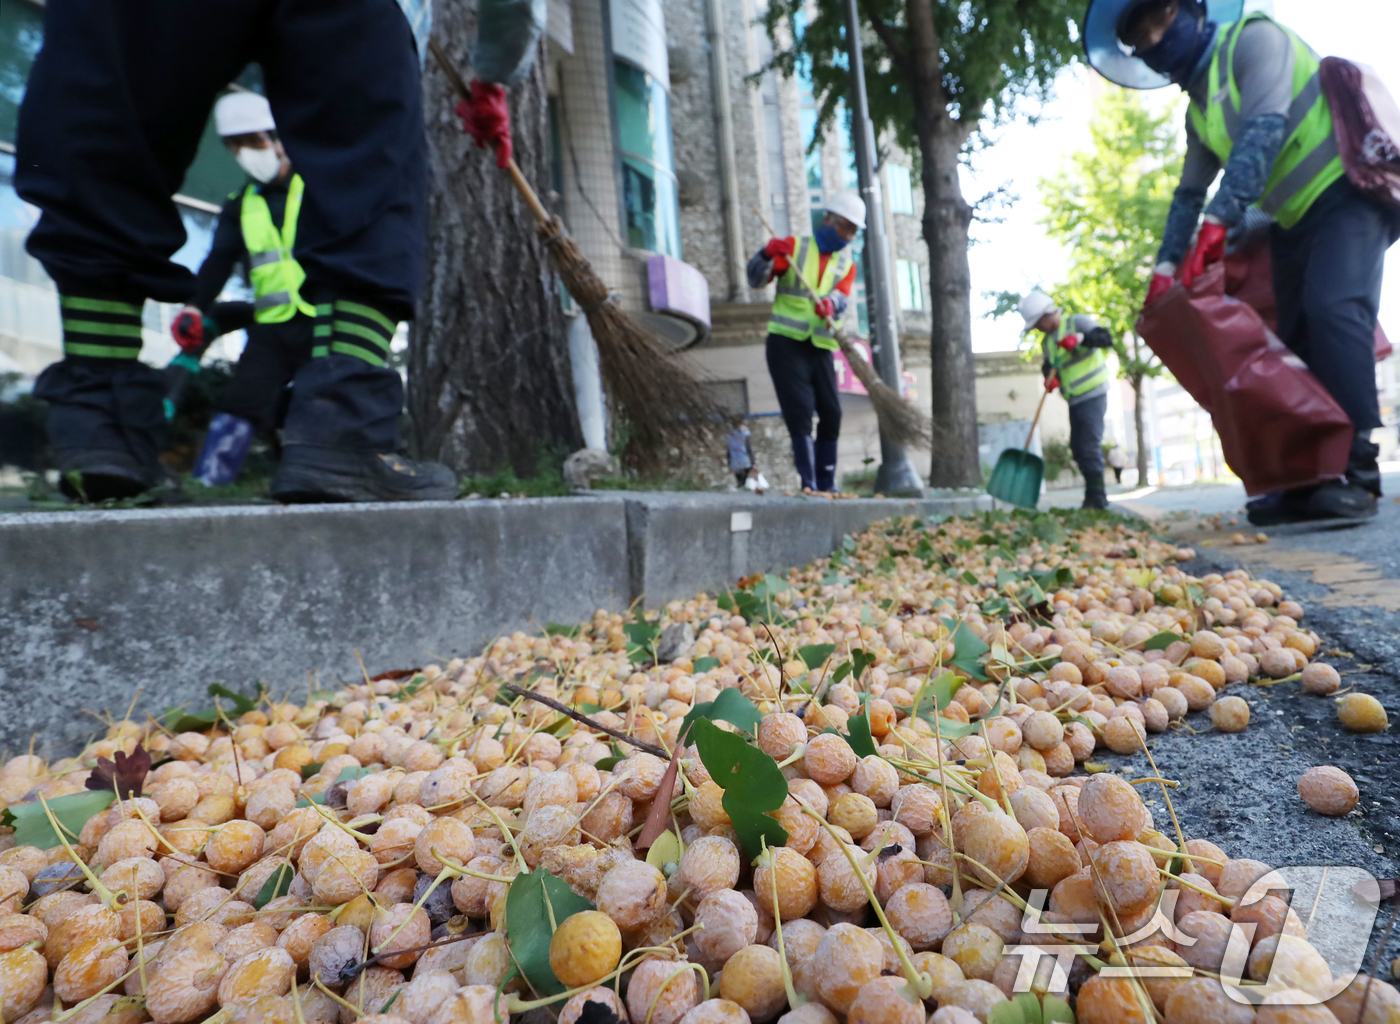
{"x":261,"y":164}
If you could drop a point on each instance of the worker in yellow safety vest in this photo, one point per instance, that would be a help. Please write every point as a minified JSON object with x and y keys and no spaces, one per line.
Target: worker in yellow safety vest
{"x":800,"y":343}
{"x":257,"y":228}
{"x":1258,"y":113}
{"x":1074,"y":358}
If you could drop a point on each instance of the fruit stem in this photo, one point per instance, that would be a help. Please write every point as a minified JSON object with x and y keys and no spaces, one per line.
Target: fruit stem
{"x":1192,"y":885}
{"x":76,"y":1008}
{"x":445,"y":873}
{"x":103,"y":893}
{"x":996,"y":773}
{"x":794,"y":1000}
{"x":920,"y":983}
{"x":651,"y":1007}
{"x":799,"y":750}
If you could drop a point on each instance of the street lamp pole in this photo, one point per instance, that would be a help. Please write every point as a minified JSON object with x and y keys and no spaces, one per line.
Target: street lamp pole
{"x":896,"y":475}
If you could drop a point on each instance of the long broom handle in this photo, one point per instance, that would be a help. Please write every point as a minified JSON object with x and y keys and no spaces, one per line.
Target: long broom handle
{"x":513,"y":169}
{"x":1044,"y":394}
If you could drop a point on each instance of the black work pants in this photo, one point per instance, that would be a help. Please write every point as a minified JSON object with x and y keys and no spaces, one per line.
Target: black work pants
{"x":257,"y":390}
{"x":1086,"y":435}
{"x":117,"y":102}
{"x":1327,"y":283}
{"x":115,"y":107}
{"x":804,"y":377}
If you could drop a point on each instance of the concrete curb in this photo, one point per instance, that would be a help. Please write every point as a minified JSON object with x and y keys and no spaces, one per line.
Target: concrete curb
{"x":95,"y":605}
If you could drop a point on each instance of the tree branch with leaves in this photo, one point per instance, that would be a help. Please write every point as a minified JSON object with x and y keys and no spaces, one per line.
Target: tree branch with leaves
{"x":1108,"y":204}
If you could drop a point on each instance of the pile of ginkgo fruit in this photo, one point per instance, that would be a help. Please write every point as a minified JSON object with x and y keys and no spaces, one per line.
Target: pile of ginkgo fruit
{"x":844,"y":794}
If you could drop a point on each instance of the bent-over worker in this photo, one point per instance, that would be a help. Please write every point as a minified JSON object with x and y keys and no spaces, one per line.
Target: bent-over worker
{"x":1258,"y":113}
{"x":1074,"y":358}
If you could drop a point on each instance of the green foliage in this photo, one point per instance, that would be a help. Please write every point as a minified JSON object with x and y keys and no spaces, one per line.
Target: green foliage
{"x":730,"y":706}
{"x":276,"y":886}
{"x":536,"y":905}
{"x":547,"y":483}
{"x":704,"y":664}
{"x":1057,"y":457}
{"x":32,"y":826}
{"x":815,"y":655}
{"x":757,"y":603}
{"x":989,"y":53}
{"x":1109,"y":205}
{"x":641,"y":637}
{"x":1027,"y":1008}
{"x":968,"y":649}
{"x":858,"y":728}
{"x":753,"y":784}
{"x":180,"y":720}
{"x":346,"y":775}
{"x":1161,"y":641}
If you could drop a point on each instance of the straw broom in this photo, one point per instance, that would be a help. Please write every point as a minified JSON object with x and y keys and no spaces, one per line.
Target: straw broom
{"x":660,"y":399}
{"x":899,"y":420}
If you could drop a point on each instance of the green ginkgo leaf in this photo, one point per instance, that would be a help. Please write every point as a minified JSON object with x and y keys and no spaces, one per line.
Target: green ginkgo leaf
{"x":753,"y":784}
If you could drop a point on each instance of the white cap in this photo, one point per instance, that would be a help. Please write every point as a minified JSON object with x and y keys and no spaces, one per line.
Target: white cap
{"x":1033,"y":307}
{"x":242,"y":113}
{"x":847,"y":204}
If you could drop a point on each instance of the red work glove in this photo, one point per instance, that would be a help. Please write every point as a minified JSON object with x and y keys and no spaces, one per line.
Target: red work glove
{"x":1209,"y":248}
{"x":826,"y":309}
{"x":188,"y":331}
{"x":1069,"y":342}
{"x":1161,"y":284}
{"x":778,"y":250}
{"x":1052,"y":382}
{"x":486,"y":118}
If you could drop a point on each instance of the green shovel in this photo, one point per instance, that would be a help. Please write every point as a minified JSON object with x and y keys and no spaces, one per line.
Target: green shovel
{"x":1017,"y":476}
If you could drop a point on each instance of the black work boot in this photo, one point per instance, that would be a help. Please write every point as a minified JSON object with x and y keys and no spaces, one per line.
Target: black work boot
{"x":1279,"y":507}
{"x":1362,"y":468}
{"x":106,"y":425}
{"x":1095,"y":496}
{"x":1340,"y":499}
{"x":310,"y":473}
{"x":99,"y":474}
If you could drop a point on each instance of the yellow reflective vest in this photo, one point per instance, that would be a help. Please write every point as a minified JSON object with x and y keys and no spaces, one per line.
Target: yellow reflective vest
{"x":1309,"y":160}
{"x":1081,"y":369}
{"x":275,"y":275}
{"x":794,"y":313}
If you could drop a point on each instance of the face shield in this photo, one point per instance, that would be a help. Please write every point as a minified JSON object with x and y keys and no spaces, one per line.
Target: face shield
{"x":1112,"y":58}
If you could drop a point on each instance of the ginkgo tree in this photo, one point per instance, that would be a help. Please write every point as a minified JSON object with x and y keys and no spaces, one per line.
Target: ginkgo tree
{"x":936,"y":72}
{"x":1108,"y":204}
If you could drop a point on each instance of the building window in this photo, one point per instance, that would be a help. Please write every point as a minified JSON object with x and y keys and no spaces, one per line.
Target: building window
{"x":648,"y":171}
{"x":910,"y":279}
{"x":901,"y":190}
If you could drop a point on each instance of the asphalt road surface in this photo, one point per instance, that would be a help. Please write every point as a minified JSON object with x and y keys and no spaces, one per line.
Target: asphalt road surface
{"x":1239,"y":790}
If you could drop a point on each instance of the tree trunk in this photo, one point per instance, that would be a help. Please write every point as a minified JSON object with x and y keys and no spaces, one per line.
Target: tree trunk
{"x":952,"y":371}
{"x":489,"y":382}
{"x":1138,"y":430}
{"x":947,"y":216}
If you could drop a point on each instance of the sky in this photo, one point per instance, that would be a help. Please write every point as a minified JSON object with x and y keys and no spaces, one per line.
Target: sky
{"x":1016,"y":255}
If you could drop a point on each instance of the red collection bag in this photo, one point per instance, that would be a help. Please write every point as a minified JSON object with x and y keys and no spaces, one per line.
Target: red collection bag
{"x":1249,"y":277}
{"x":1278,"y":426}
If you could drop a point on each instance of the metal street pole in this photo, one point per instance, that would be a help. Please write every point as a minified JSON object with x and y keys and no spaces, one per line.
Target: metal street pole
{"x":896,"y":475}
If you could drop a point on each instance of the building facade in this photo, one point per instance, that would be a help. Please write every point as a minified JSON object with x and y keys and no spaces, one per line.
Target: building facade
{"x":704,"y":153}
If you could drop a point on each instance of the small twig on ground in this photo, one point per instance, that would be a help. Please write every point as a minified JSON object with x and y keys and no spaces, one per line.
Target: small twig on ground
{"x":564,"y":709}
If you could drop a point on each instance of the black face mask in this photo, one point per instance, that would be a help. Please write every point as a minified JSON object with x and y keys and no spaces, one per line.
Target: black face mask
{"x":1179,"y":50}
